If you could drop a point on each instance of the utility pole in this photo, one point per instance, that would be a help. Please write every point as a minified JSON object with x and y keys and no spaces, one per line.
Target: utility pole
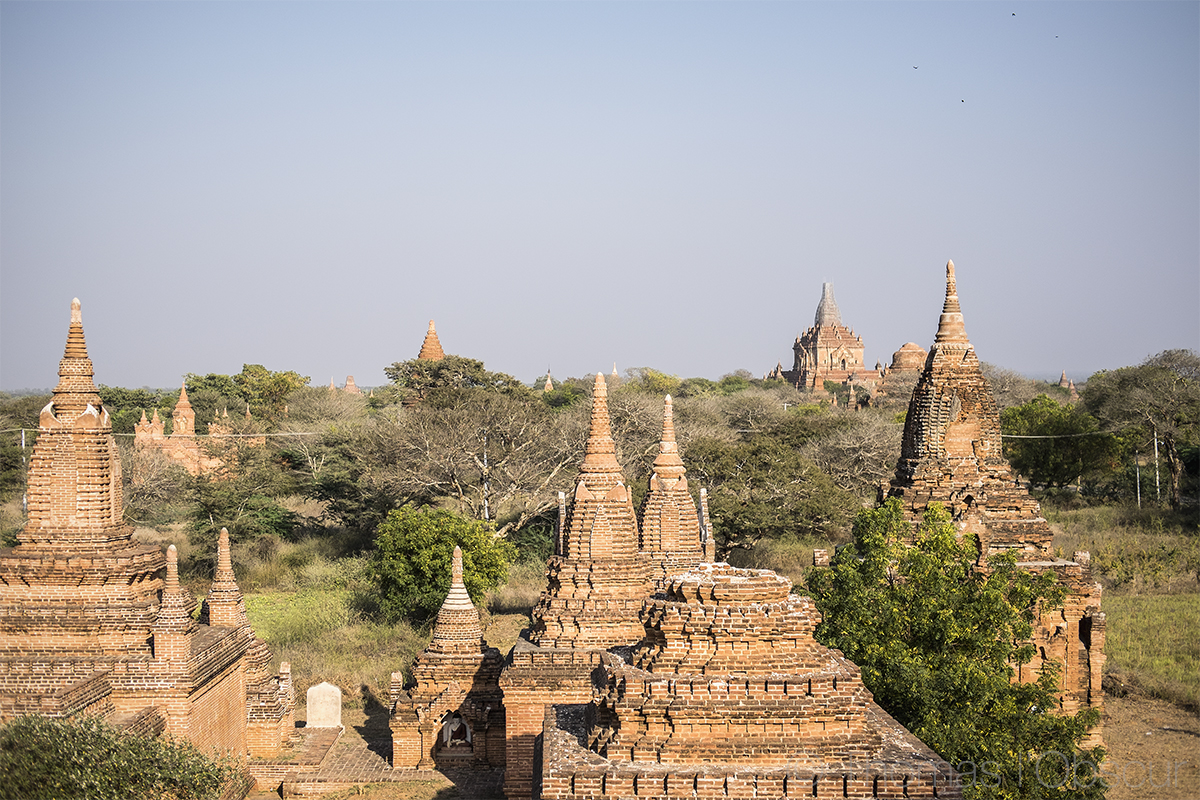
{"x":1157,"y":493}
{"x":1137,"y":465}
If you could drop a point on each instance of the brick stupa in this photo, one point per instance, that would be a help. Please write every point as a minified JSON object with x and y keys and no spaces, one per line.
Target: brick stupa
{"x":93,"y":623}
{"x":596,"y":583}
{"x":673,"y":533}
{"x":828,"y":351}
{"x":453,"y":715}
{"x":951,"y":455}
{"x":431,"y":348}
{"x":729,"y":695}
{"x":598,"y":579}
{"x":950,"y":452}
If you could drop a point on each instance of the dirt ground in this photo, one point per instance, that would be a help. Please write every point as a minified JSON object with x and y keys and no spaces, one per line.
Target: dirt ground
{"x":1153,"y":754}
{"x":1153,"y":750}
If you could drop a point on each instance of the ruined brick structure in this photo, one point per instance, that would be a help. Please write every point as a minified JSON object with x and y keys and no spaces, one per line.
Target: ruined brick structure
{"x":453,"y":715}
{"x":828,"y":351}
{"x":183,"y":445}
{"x":951,"y":454}
{"x":94,"y":623}
{"x":431,"y":348}
{"x":729,"y":695}
{"x":649,"y":671}
{"x":351,"y":387}
{"x":597,"y":582}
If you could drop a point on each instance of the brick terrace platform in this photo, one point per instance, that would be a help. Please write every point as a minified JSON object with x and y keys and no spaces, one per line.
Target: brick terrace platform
{"x":326,"y":760}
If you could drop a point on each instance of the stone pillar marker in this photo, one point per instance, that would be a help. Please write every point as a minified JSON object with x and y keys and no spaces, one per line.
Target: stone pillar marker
{"x":324,"y":706}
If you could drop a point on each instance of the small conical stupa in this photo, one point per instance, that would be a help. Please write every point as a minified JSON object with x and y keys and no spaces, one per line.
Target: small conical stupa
{"x":431,"y":348}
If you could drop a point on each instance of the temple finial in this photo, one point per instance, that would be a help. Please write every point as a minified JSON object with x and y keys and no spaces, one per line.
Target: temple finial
{"x":600,"y":455}
{"x":827,"y":310}
{"x":172,"y":583}
{"x":668,"y":464}
{"x":950,"y":326}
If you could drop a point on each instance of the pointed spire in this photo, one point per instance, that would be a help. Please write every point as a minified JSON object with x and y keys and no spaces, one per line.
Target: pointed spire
{"x":224,"y":572}
{"x":601,"y":453}
{"x":457,"y":628}
{"x":827,"y":310}
{"x":75,"y":389}
{"x":549,"y":387}
{"x":143,"y":420}
{"x":614,"y":372}
{"x":174,"y":619}
{"x":458,"y":599}
{"x":224,"y":605}
{"x":1063,"y":382}
{"x":431,"y":348}
{"x":183,"y":401}
{"x":950,"y":326}
{"x":668,"y":464}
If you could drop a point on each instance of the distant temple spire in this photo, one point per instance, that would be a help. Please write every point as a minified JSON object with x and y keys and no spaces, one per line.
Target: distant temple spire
{"x":827,"y":310}
{"x":431,"y":348}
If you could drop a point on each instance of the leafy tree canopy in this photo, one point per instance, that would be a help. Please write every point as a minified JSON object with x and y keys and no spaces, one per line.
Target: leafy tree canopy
{"x":264,"y":391}
{"x":762,"y":488}
{"x":936,"y":639}
{"x":1074,"y":448}
{"x":414,"y":548}
{"x":1160,"y":397}
{"x":86,"y":758}
{"x":444,"y":380}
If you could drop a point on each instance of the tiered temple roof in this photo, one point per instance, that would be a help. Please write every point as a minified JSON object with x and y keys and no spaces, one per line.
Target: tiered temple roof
{"x":951,"y":452}
{"x":599,"y":577}
{"x":828,"y":351}
{"x":730,"y":696}
{"x":431,"y":348}
{"x":88,"y":625}
{"x":672,"y":531}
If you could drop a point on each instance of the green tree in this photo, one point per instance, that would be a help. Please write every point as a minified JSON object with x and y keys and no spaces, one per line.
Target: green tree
{"x":125,"y":406}
{"x":1160,"y":397}
{"x":936,"y":639}
{"x":443,"y":380}
{"x":41,"y":757}
{"x":266,"y":392}
{"x":414,"y":548}
{"x":762,"y":488}
{"x":1073,"y":446}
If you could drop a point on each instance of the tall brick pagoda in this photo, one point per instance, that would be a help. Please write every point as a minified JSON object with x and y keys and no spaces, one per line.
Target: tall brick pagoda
{"x":951,"y":454}
{"x":729,"y":695}
{"x":596,"y":583}
{"x":673,"y":533}
{"x":453,"y":715}
{"x":94,"y":623}
{"x":431,"y":348}
{"x":828,"y":351}
{"x":598,"y":579}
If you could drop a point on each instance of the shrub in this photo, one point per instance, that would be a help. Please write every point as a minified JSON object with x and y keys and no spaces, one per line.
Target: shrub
{"x":86,"y":758}
{"x":411,"y":569}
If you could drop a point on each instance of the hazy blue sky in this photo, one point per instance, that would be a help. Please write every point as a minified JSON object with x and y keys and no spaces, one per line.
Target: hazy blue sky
{"x":305,"y":185}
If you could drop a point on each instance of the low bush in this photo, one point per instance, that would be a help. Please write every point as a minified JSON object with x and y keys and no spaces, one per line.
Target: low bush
{"x":41,"y":757}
